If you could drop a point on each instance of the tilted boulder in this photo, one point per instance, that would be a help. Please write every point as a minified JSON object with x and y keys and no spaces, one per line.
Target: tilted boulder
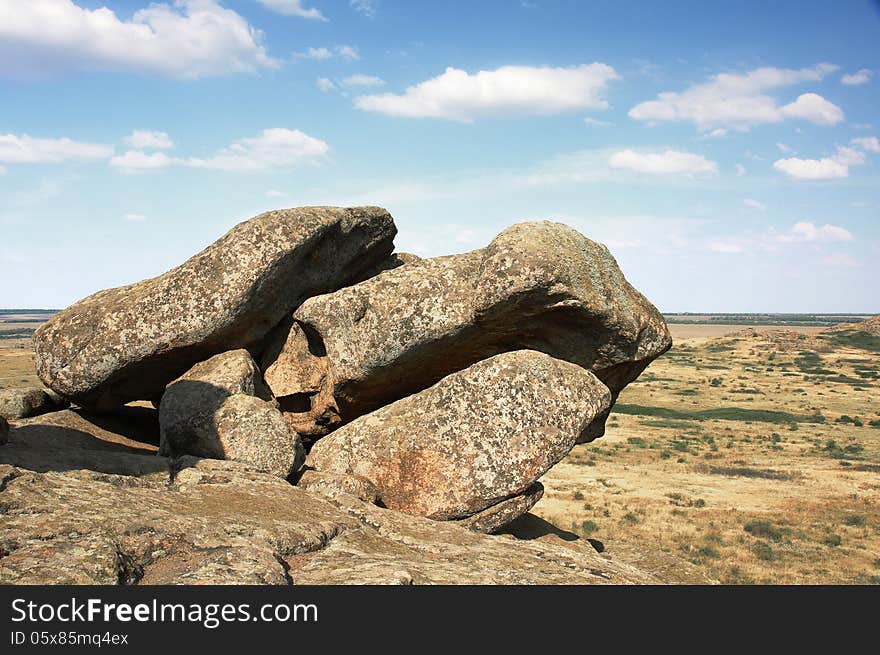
{"x":29,"y":401}
{"x":127,"y":343}
{"x":221,"y":409}
{"x":497,"y":516}
{"x":474,"y":439}
{"x":540,"y":286}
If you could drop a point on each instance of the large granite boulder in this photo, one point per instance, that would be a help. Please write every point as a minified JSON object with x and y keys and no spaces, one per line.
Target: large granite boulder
{"x":541,"y":286}
{"x":221,"y":409}
{"x":25,"y":402}
{"x":127,"y":343}
{"x":476,"y":438}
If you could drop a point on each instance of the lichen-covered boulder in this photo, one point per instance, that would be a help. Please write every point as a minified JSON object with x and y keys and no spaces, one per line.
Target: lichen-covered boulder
{"x":29,"y":401}
{"x":127,"y":343}
{"x":476,"y":438}
{"x":540,"y":286}
{"x":221,"y":409}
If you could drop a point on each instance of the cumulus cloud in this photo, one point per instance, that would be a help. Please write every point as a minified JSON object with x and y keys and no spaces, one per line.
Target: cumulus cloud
{"x":739,"y":101}
{"x":149,"y":140}
{"x":826,"y":168}
{"x":24,"y":149}
{"x":860,"y":77}
{"x":344,"y":51}
{"x":510,"y":90}
{"x":292,"y":8}
{"x":869,"y":143}
{"x":806,"y":231}
{"x":667,"y":162}
{"x":325,"y":84}
{"x":191,"y":39}
{"x":276,"y":147}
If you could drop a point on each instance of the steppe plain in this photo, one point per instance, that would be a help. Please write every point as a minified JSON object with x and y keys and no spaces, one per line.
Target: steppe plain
{"x":752,"y":452}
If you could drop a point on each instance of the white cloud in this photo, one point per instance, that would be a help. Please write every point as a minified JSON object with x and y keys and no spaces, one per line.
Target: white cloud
{"x":348,"y":52}
{"x":667,"y":162}
{"x":363,"y":80}
{"x":134,"y":218}
{"x":292,"y":8}
{"x":814,"y":108}
{"x":520,"y":90}
{"x":193,"y":38}
{"x":276,"y":147}
{"x":24,"y":149}
{"x":364,"y":7}
{"x":754,"y":204}
{"x":861,"y":77}
{"x":344,"y":51}
{"x":740,"y":170}
{"x":869,"y":143}
{"x":325,"y":84}
{"x":840,"y":260}
{"x":315,"y":53}
{"x":826,"y":168}
{"x":739,"y":102}
{"x":785,"y":149}
{"x":272,"y":193}
{"x":146,"y":139}
{"x":807,"y":232}
{"x":595,"y":122}
{"x":136,"y":160}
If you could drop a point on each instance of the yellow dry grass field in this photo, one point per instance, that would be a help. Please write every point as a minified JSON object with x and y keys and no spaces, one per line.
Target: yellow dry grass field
{"x":756,"y":456}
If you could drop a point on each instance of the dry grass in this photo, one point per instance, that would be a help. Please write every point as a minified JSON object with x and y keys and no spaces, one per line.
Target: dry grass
{"x":748,"y":501}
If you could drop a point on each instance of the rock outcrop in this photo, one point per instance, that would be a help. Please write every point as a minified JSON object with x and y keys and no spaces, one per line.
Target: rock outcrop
{"x":221,"y":409}
{"x":29,"y":401}
{"x":127,"y":343}
{"x":474,"y":439}
{"x":541,"y":286}
{"x":110,"y":516}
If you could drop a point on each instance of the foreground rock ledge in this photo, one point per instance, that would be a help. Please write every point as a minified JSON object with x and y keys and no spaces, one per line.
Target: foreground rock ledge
{"x":127,"y":343}
{"x":87,"y":504}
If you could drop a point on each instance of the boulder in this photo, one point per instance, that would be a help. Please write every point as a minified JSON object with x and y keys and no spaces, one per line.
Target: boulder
{"x":128,"y":343}
{"x":222,"y":409}
{"x":474,"y":439}
{"x":29,"y":401}
{"x":492,"y":519}
{"x":540,"y":286}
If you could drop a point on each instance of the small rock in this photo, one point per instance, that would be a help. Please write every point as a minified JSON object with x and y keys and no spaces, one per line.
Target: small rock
{"x":29,"y":401}
{"x":493,"y":518}
{"x":221,"y":409}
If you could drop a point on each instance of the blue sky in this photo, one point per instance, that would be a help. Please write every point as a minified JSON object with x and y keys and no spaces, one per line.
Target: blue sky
{"x":726,"y":152}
